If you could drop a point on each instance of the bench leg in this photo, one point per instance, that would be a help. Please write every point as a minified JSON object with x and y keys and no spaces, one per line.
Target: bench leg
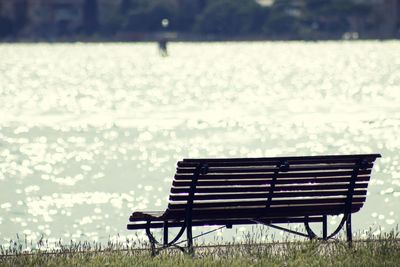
{"x":152,"y":246}
{"x":310,"y":233}
{"x":348,"y":230}
{"x":152,"y":241}
{"x":325,"y":227}
{"x":190,"y":239}
{"x":165,"y":232}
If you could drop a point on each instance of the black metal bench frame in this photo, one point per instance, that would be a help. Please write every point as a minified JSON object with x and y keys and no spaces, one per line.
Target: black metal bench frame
{"x":187,"y":222}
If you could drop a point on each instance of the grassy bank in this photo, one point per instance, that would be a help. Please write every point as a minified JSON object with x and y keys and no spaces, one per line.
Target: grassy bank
{"x":383,"y":250}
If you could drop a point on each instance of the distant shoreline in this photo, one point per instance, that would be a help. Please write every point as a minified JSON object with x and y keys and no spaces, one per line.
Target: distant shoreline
{"x":181,"y":37}
{"x":187,"y":41}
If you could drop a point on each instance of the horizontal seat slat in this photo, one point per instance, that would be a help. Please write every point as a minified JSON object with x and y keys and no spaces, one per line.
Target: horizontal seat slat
{"x":316,"y":167}
{"x":204,"y":222}
{"x":230,"y":189}
{"x":244,"y":203}
{"x":267,"y":195}
{"x":261,"y":212}
{"x":313,"y":207}
{"x":239,"y":182}
{"x":271,"y":175}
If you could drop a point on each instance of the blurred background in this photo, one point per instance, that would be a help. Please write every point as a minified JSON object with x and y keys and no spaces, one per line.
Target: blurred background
{"x":144,"y":20}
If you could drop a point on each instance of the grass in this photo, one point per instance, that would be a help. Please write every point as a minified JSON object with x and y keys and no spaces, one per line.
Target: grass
{"x":382,"y":250}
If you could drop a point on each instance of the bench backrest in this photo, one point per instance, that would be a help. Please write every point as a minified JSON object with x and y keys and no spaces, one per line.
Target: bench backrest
{"x":280,"y":186}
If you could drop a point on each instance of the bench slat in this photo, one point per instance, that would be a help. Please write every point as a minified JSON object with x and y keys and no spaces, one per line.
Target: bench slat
{"x":244,"y":203}
{"x":231,"y":189}
{"x":204,"y":222}
{"x":263,"y":163}
{"x":271,"y":175}
{"x":272,"y":162}
{"x":267,"y":195}
{"x":354,"y":156}
{"x":240,"y":182}
{"x":260,"y":212}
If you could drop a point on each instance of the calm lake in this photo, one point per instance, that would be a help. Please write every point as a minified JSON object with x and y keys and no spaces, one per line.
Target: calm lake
{"x":91,"y":132}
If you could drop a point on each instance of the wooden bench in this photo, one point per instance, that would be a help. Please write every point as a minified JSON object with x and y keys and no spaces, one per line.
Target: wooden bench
{"x":269,"y":191}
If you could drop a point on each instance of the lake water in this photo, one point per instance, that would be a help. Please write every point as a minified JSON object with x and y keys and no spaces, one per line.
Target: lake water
{"x":91,"y":132}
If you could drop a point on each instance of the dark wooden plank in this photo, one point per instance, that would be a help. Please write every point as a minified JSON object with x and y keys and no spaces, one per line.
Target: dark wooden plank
{"x":244,"y":203}
{"x":239,"y":182}
{"x":271,"y":175}
{"x":226,"y":162}
{"x":316,"y":167}
{"x":352,"y":156}
{"x":235,"y":189}
{"x":159,"y":223}
{"x":263,"y":163}
{"x":238,"y":213}
{"x":266,"y":195}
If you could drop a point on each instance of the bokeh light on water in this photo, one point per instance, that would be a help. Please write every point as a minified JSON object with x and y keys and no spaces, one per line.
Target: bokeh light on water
{"x":91,"y":132}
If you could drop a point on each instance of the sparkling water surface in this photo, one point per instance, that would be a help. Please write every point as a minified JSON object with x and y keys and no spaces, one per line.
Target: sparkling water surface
{"x":91,"y":132}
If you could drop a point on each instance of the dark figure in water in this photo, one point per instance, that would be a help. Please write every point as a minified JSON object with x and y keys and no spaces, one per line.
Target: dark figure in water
{"x":162,"y":46}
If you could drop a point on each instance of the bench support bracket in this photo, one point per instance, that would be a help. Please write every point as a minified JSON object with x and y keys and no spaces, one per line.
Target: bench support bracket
{"x":360,"y":164}
{"x":187,"y":225}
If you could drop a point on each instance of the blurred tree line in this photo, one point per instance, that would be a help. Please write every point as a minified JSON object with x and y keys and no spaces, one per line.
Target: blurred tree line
{"x":300,"y":19}
{"x":238,"y":17}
